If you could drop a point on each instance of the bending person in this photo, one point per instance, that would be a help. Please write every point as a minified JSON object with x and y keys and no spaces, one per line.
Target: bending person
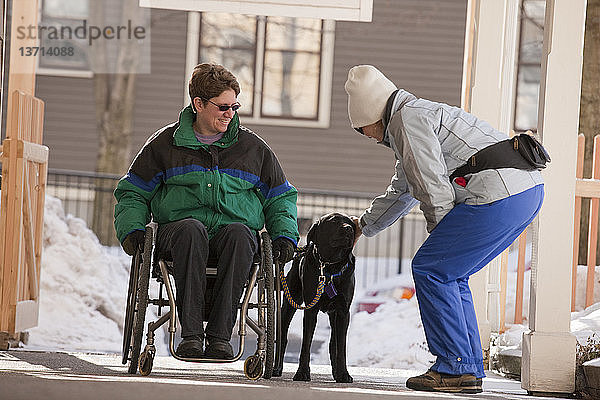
{"x":471,"y":217}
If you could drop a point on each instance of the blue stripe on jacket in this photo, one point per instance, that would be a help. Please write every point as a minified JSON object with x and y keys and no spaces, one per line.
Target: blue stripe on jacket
{"x":150,"y":185}
{"x":255,"y":180}
{"x":147,"y":186}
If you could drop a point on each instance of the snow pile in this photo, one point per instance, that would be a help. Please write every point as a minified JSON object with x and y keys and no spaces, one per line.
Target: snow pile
{"x":83,"y":287}
{"x":584,"y":324}
{"x":390,"y":337}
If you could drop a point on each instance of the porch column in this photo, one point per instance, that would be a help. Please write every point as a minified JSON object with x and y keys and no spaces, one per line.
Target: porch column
{"x":548,"y":363}
{"x":488,"y":93}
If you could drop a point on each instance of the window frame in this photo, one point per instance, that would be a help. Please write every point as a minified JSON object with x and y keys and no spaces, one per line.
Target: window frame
{"x":520,"y":63}
{"x":63,"y":72}
{"x":260,"y":110}
{"x":322,"y":119}
{"x":256,"y":38}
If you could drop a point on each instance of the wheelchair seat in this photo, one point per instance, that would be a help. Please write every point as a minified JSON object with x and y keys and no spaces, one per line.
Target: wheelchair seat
{"x":211,"y":264}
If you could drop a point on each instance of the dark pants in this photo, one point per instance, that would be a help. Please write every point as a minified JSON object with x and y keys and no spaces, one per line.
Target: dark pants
{"x":233,"y":246}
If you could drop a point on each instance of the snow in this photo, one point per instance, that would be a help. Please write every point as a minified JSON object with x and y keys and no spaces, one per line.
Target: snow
{"x":84,"y":289}
{"x":584,"y":323}
{"x":391,"y":337}
{"x":593,"y":363}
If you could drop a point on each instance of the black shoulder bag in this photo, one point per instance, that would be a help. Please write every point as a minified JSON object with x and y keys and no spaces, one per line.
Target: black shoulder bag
{"x":531,"y":150}
{"x":522,"y":152}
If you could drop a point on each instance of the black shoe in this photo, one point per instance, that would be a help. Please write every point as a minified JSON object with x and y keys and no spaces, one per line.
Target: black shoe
{"x":191,"y":347}
{"x":219,"y":349}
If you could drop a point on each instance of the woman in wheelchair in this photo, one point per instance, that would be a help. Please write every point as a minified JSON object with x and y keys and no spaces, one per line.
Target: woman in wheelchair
{"x":210,"y":184}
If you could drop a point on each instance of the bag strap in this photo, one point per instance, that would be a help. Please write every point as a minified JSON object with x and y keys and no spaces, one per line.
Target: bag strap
{"x":502,"y":154}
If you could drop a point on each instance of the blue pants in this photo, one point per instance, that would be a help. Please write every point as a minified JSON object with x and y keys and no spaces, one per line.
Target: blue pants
{"x":463,"y":242}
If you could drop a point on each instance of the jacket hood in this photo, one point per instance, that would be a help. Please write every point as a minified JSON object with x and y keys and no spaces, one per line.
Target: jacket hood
{"x":395,"y":102}
{"x":184,"y":134}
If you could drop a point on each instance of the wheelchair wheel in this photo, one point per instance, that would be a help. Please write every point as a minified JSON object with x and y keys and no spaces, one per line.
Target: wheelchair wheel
{"x":253,"y":367}
{"x":278,"y":302}
{"x":141,"y":303}
{"x":146,"y":361}
{"x":267,"y":267}
{"x":131,"y":303}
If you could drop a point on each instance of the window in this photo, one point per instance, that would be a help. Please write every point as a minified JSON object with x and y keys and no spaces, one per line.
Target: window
{"x":62,"y":16}
{"x":284,"y":65}
{"x":291,"y":68}
{"x":530,"y":64}
{"x":230,"y":40}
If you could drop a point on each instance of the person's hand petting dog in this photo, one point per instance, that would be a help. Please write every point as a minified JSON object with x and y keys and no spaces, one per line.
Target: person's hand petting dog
{"x":283,"y":250}
{"x":357,"y":230}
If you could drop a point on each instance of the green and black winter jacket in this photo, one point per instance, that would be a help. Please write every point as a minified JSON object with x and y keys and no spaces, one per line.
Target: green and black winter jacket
{"x":236,"y":179}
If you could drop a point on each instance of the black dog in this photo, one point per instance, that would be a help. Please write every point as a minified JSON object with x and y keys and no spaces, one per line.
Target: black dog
{"x":328,"y":256}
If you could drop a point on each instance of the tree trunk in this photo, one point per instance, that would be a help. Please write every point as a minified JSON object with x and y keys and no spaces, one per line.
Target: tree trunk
{"x":589,"y":117}
{"x":287,"y":67}
{"x":115,"y":99}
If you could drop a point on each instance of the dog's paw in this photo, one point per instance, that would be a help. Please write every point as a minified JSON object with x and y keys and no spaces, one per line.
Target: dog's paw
{"x":277,"y":371}
{"x":343,"y":377}
{"x":302,"y":375}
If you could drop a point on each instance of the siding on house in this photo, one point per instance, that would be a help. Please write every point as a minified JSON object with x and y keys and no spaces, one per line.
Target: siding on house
{"x":70,"y":127}
{"x":417,"y":43}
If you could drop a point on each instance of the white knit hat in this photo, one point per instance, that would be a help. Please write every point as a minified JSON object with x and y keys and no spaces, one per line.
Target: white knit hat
{"x":368,"y":91}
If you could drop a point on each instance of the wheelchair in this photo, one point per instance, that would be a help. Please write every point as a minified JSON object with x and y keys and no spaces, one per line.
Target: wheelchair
{"x":268,"y":305}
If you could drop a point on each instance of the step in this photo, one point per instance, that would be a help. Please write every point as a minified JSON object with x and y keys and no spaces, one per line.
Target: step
{"x":508,"y":363}
{"x":591,"y":370}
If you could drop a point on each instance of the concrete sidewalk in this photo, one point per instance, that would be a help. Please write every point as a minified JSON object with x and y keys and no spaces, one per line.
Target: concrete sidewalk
{"x":32,"y":375}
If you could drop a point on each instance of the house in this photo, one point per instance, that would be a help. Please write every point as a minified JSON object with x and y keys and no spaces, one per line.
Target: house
{"x":418,"y":45}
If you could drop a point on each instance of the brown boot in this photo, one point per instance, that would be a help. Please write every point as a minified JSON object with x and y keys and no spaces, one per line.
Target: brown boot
{"x":433,"y":381}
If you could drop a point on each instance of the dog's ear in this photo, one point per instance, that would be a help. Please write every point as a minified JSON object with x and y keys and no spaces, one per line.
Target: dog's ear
{"x":311,"y":237}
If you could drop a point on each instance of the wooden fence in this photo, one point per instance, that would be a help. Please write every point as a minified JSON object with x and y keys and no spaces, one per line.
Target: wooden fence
{"x":587,"y":188}
{"x":584,"y":188}
{"x":24,"y":171}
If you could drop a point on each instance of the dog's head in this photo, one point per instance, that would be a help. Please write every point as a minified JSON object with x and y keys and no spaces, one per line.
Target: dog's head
{"x":333,"y":236}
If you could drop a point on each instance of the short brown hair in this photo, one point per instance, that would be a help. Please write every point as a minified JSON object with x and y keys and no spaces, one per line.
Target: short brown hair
{"x":210,"y":80}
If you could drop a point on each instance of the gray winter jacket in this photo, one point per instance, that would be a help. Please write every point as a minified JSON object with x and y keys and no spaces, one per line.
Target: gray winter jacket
{"x":430,"y":140}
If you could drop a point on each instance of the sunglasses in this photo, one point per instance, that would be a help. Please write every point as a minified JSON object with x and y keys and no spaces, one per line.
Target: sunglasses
{"x":223,"y":107}
{"x":359,"y":130}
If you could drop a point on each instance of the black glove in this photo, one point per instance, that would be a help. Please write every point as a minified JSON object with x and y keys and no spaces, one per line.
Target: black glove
{"x":283,"y":250}
{"x":132,"y":241}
